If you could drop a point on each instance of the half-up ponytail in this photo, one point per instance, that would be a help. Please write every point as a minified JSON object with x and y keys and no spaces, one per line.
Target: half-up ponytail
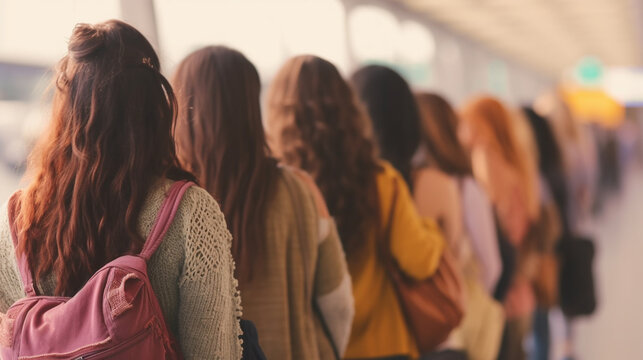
{"x":86,"y":41}
{"x":110,"y":139}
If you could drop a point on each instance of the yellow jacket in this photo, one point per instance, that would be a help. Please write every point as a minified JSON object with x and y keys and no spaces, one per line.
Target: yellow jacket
{"x":379,"y":328}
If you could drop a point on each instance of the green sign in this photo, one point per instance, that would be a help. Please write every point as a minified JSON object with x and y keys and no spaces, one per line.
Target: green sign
{"x":589,"y":71}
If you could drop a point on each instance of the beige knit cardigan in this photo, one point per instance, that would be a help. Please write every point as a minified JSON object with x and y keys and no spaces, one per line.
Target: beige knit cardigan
{"x":191,"y":274}
{"x":301,"y":282}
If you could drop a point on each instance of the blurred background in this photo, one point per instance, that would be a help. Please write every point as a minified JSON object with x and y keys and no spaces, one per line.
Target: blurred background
{"x":518,"y":50}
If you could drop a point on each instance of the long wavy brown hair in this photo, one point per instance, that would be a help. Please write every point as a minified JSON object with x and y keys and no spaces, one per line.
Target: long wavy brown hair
{"x":316,"y":123}
{"x":440,"y":135}
{"x":109,"y":140}
{"x":220,"y":138}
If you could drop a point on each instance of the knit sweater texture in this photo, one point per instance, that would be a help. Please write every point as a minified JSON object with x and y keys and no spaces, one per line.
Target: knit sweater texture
{"x":191,"y":274}
{"x":301,"y":282}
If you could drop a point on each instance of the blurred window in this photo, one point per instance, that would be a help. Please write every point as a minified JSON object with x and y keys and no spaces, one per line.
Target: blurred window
{"x":267,"y":32}
{"x":378,"y":36}
{"x":33,"y":37}
{"x":36,"y":31}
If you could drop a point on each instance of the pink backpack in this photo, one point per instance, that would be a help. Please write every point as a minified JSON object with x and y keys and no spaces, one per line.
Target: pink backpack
{"x":114,"y":316}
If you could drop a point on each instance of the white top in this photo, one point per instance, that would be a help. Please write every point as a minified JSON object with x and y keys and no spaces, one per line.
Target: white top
{"x":480,"y":225}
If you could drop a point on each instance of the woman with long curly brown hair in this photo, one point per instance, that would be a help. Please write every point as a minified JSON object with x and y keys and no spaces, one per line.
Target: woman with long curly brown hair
{"x":315,"y":123}
{"x":285,"y":243}
{"x":97,"y":180}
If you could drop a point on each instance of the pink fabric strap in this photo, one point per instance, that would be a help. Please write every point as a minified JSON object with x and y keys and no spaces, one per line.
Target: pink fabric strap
{"x":23,"y":265}
{"x":165,"y":217}
{"x":160,"y":227}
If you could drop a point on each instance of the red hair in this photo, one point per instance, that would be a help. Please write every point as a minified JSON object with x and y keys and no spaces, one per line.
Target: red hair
{"x":505,"y":135}
{"x":109,"y":140}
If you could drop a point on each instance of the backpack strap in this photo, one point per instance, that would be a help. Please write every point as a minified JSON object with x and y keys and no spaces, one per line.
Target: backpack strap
{"x":23,"y":264}
{"x":165,"y":217}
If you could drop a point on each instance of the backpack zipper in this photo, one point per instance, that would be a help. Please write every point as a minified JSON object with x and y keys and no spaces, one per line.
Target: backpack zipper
{"x":114,"y":349}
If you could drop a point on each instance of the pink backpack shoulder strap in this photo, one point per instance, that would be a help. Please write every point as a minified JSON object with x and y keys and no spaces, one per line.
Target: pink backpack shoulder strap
{"x":160,"y":227}
{"x":23,"y":265}
{"x":165,"y":217}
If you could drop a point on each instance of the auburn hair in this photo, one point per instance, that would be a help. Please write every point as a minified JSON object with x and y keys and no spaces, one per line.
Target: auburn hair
{"x":505,"y":129}
{"x":109,"y":140}
{"x":440,"y":135}
{"x":315,"y":123}
{"x":220,"y":138}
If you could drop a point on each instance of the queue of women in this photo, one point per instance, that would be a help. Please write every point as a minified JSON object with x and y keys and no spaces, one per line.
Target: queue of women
{"x":345,"y":218}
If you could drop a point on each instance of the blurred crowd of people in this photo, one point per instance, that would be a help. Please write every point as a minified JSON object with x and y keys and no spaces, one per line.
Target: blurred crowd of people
{"x":359,"y":218}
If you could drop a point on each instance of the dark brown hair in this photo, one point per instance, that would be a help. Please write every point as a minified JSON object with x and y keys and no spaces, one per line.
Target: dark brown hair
{"x":394,"y":113}
{"x":109,"y":140}
{"x":440,"y":135}
{"x":316,"y":123}
{"x":220,"y":138}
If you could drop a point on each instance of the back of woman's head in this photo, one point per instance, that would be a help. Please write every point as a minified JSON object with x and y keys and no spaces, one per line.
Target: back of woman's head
{"x":392,"y":108}
{"x":549,"y":155}
{"x":110,"y":138}
{"x":316,"y":123}
{"x":220,"y":138}
{"x":550,"y":160}
{"x":489,"y":118}
{"x":565,"y":127}
{"x":499,"y":128}
{"x":440,"y":135}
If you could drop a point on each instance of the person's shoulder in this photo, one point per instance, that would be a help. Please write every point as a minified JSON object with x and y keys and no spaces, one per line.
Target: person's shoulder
{"x":388,"y":173}
{"x":197,"y":193}
{"x":437,"y":185}
{"x":290,"y":173}
{"x":5,"y":232}
{"x":433,"y":176}
{"x":306,"y":187}
{"x":196,"y":200}
{"x":4,"y":210}
{"x":5,"y":226}
{"x":201,"y":218}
